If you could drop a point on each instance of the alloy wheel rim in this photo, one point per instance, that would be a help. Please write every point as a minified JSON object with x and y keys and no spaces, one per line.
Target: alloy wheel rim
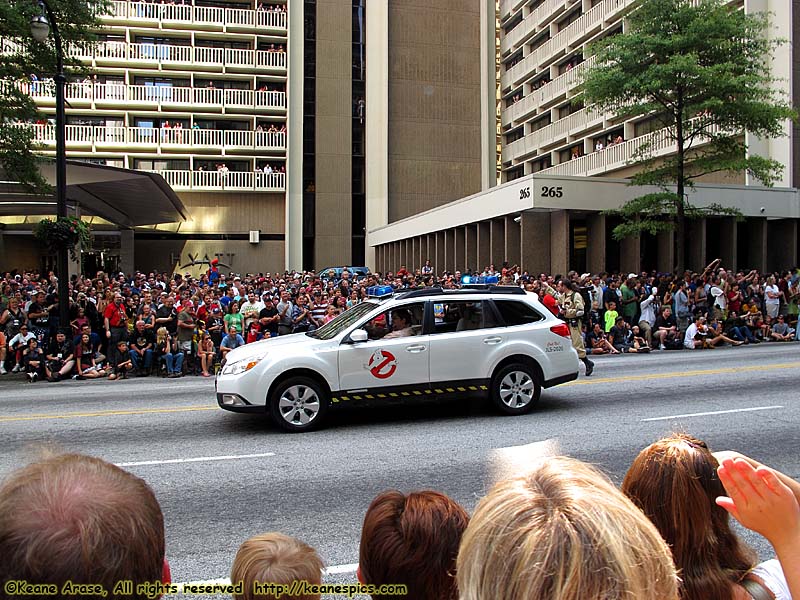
{"x":299,"y":405}
{"x":517,"y":389}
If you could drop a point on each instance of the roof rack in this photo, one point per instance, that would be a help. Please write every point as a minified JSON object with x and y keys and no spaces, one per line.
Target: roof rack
{"x":467,"y":289}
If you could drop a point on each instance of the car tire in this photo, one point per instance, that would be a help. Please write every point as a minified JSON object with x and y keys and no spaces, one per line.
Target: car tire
{"x":515,"y":389}
{"x":298,"y":404}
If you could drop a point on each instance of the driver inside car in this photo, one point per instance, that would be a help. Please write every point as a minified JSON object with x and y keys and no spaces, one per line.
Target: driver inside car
{"x":401,"y":324}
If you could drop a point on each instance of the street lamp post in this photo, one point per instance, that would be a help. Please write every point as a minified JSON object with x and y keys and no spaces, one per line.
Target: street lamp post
{"x":40,"y":29}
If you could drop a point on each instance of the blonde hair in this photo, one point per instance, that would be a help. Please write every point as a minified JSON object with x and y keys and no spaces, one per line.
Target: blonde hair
{"x":161,"y":335}
{"x":275,"y":558}
{"x":562,"y":532}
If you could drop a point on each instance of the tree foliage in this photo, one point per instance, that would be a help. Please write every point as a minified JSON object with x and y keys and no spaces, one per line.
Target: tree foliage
{"x":23,"y":56}
{"x":700,"y":70}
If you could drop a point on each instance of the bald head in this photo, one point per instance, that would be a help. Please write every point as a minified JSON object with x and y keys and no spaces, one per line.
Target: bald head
{"x":78,"y":518}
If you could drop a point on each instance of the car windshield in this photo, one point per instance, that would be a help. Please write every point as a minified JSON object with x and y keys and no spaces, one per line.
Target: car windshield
{"x":343,"y":321}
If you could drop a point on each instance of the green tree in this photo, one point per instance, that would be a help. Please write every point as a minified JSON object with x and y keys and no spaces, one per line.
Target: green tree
{"x":23,"y":57}
{"x":700,"y":70}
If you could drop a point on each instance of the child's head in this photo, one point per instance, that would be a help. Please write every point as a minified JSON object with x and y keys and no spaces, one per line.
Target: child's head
{"x":612,"y":306}
{"x":275,"y":558}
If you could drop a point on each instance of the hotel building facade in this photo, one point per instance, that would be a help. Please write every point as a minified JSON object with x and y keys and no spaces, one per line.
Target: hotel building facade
{"x":563,"y":164}
{"x":378,"y":124}
{"x":208,"y":93}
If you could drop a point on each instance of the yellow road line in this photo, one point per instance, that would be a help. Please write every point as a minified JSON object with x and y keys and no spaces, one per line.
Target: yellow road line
{"x":592,"y":380}
{"x":107,"y":413}
{"x":589,"y":381}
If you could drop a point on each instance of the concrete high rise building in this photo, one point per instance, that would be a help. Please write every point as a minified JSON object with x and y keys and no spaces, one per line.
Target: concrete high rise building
{"x":312,"y":133}
{"x":286,"y":127}
{"x":562,"y":164}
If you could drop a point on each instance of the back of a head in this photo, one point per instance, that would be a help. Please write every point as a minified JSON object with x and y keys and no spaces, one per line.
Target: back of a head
{"x":412,"y":540}
{"x":674,"y":481}
{"x":77,"y":518}
{"x":562,"y":532}
{"x":275,"y":558}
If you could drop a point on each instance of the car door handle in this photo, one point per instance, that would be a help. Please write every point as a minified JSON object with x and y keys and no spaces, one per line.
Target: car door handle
{"x":491,"y":341}
{"x":416,"y":348}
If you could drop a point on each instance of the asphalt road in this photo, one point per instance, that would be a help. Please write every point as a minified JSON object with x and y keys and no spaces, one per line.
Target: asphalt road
{"x":317,"y":486}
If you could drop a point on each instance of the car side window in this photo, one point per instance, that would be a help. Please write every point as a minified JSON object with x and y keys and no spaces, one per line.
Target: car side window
{"x":461,"y":315}
{"x":399,"y":321}
{"x":514,"y":312}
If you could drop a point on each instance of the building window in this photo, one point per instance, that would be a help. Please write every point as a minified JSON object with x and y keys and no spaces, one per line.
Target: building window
{"x":541,"y":164}
{"x":515,"y":134}
{"x":309,"y":133}
{"x":515,"y":173}
{"x":515,"y":20}
{"x":358,"y":92}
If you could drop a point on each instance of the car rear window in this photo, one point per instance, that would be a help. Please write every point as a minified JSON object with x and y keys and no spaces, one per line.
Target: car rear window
{"x":514,"y":312}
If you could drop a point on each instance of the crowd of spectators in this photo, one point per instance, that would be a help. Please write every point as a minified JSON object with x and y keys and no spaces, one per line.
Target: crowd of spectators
{"x":558,"y":530}
{"x":157,"y":323}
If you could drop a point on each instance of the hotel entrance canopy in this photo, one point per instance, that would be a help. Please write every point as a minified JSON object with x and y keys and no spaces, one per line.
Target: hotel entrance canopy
{"x":124,"y":197}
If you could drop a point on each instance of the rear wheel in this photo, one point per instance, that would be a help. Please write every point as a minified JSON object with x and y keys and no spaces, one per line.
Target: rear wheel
{"x":515,"y":389}
{"x":298,"y":404}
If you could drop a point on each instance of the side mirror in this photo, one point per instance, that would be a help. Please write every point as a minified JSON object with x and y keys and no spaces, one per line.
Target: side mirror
{"x":359,"y":335}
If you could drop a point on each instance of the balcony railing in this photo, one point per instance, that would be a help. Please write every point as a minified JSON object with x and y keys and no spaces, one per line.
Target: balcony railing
{"x":156,"y":95}
{"x":553,"y":134}
{"x":536,"y":17}
{"x":105,"y":52}
{"x":164,"y":138}
{"x":208,"y":17}
{"x":509,"y":6}
{"x":231,"y":180}
{"x":601,"y":13}
{"x":542,"y":96}
{"x":620,"y":155}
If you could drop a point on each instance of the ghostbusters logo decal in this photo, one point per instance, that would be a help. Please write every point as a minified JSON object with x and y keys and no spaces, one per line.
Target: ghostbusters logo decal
{"x":382,"y":364}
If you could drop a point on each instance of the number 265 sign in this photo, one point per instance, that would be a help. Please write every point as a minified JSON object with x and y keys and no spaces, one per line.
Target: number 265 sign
{"x":546,"y":191}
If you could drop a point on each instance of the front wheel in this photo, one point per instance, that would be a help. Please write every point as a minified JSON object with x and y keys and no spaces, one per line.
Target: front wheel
{"x":298,"y":404}
{"x":515,"y":389}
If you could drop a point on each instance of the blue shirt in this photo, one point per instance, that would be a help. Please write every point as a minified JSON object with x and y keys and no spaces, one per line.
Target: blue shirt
{"x":229,"y":342}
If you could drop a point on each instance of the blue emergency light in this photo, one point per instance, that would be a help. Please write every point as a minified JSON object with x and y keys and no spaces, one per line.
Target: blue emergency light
{"x":379,"y":291}
{"x":479,"y":280}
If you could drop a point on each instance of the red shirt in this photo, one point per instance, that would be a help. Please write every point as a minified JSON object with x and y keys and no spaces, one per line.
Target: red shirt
{"x":116,"y":315}
{"x":550,"y":303}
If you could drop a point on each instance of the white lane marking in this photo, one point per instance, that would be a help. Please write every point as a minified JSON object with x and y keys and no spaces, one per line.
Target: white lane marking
{"x":173,"y":461}
{"x":332,"y":570}
{"x":505,"y":462}
{"x":341,"y":569}
{"x":713,"y":412}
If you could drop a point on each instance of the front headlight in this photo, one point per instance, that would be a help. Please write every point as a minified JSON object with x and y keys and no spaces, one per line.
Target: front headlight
{"x":242,"y":366}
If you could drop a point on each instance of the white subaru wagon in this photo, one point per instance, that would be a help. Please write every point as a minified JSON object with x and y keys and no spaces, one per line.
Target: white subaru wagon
{"x":495,"y":341}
